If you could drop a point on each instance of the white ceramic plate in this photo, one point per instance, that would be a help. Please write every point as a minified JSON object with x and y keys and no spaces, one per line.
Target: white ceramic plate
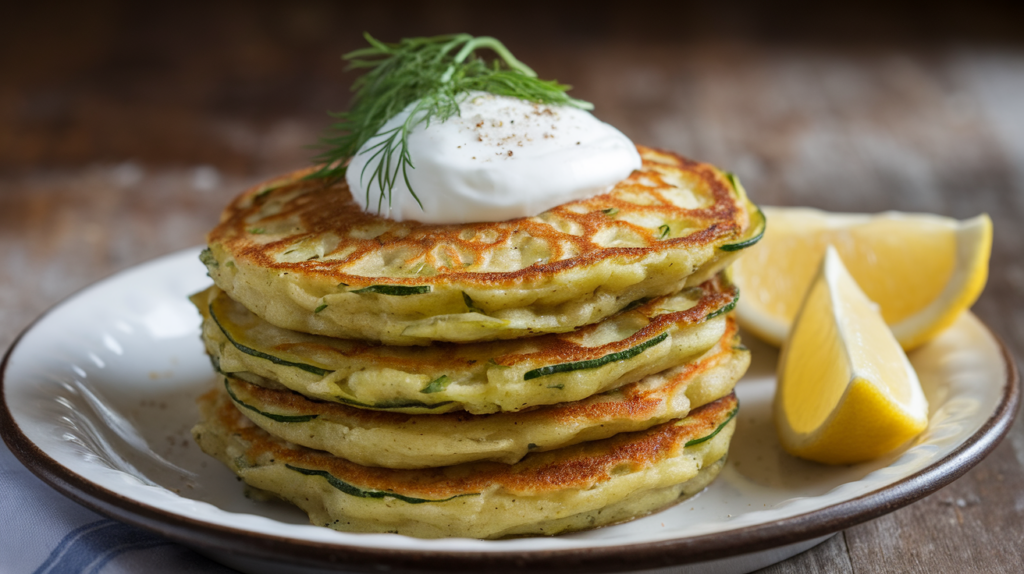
{"x":99,"y":392}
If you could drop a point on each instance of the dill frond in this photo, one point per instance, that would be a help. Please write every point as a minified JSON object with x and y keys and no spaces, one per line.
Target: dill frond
{"x":433,"y":72}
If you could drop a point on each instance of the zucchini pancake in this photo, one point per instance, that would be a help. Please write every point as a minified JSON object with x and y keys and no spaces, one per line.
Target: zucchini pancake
{"x":393,"y":402}
{"x":302,"y":255}
{"x":551,"y":349}
{"x":477,"y":377}
{"x":395,"y":440}
{"x":573,"y":488}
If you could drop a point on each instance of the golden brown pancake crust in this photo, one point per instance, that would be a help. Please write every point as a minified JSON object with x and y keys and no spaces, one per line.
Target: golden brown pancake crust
{"x":305,"y":209}
{"x":395,"y":440}
{"x":580,"y":466}
{"x":637,"y":402}
{"x":555,"y":348}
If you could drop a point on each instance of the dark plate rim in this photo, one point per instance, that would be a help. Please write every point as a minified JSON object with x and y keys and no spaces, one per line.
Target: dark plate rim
{"x":793,"y":530}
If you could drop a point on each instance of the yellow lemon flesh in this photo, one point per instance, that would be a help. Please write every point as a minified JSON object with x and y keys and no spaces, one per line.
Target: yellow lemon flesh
{"x":922,"y":270}
{"x":846,"y":391}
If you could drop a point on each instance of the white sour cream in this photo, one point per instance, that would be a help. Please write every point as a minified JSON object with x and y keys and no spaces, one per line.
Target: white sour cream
{"x":501,"y":159}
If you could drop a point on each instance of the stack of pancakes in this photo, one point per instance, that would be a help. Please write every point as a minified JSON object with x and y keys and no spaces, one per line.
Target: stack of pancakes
{"x":534,"y":376}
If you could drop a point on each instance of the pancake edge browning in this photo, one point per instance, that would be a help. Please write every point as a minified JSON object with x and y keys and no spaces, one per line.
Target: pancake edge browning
{"x":319,"y":296}
{"x":574,"y":488}
{"x":478,"y":377}
{"x":393,"y":440}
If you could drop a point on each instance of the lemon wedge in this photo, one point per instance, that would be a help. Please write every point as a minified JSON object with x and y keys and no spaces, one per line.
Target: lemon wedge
{"x":846,"y":391}
{"x":922,"y":270}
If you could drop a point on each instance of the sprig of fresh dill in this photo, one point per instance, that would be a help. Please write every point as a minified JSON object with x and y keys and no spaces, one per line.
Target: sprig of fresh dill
{"x":433,"y":72}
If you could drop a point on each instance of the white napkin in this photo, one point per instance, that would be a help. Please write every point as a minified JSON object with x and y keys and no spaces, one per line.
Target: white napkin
{"x":43,"y":532}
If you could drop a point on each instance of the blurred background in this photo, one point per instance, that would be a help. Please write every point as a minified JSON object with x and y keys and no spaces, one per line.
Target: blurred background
{"x":141,"y":119}
{"x":766,"y":88}
{"x":126,"y":126}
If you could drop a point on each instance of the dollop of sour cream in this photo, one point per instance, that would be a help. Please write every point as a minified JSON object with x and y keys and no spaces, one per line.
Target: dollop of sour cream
{"x":502,"y":158}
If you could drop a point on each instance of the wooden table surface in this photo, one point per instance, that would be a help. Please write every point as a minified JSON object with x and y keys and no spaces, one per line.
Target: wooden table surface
{"x":124,"y":129}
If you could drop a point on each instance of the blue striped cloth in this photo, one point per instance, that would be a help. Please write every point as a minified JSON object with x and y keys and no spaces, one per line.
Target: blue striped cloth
{"x":44,"y":533}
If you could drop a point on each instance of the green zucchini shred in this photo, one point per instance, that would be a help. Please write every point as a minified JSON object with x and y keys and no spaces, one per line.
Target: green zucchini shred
{"x":215,"y":362}
{"x":271,"y":416}
{"x":664,"y":229}
{"x":472,"y":306}
{"x":257,"y":231}
{"x":610,"y":211}
{"x":762,"y":223}
{"x":559,"y":387}
{"x":727,"y":308}
{"x":397,"y":290}
{"x":206,"y":256}
{"x":733,"y":181}
{"x":360,"y":493}
{"x":594,"y":363}
{"x":320,"y":308}
{"x":263,"y":192}
{"x":717,"y":430}
{"x":437,"y":385}
{"x":393,"y":404}
{"x":261,"y":355}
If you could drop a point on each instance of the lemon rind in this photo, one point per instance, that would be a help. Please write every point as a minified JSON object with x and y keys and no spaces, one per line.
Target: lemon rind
{"x":974,"y":246}
{"x":831,"y":442}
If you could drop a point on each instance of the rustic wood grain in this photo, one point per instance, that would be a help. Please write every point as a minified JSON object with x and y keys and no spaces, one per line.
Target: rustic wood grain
{"x":830,"y":556}
{"x":124,"y":129}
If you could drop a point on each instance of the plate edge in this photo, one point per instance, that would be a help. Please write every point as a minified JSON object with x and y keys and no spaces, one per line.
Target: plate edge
{"x":605,"y":559}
